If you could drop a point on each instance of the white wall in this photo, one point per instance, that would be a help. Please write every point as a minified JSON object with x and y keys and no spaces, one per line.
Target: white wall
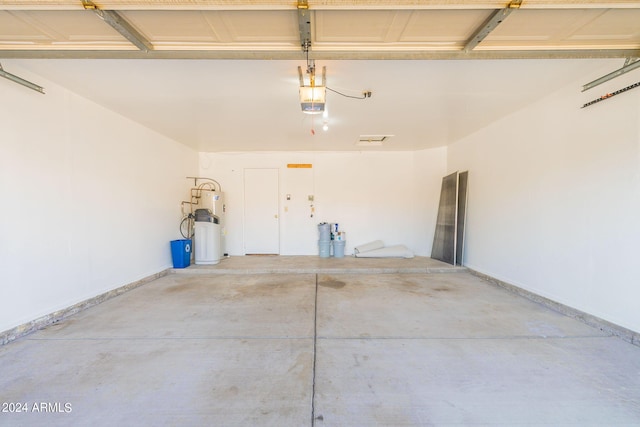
{"x":391,"y":196}
{"x":90,"y":200}
{"x":554,"y":199}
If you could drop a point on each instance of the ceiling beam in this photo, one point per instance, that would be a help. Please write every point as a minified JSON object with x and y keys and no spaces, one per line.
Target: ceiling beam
{"x":629,"y":64}
{"x":304,"y":24}
{"x":490,"y":24}
{"x":324,"y":55}
{"x":127,"y":31}
{"x":315,"y":4}
{"x":119,"y":24}
{"x":20,"y":80}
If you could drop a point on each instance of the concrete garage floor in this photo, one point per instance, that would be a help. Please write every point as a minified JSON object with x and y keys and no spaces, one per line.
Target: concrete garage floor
{"x":373,"y":346}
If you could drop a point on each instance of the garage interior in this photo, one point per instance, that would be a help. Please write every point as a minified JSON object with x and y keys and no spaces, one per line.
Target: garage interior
{"x":109,"y":107}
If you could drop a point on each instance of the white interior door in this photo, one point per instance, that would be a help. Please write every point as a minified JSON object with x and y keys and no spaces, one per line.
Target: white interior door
{"x":261,"y":222}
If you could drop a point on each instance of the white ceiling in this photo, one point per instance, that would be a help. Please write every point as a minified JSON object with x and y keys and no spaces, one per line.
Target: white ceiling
{"x":222,"y":76}
{"x":237,"y":105}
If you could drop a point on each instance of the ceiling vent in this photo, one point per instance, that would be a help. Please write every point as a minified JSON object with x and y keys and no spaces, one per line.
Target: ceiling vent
{"x":372,"y":140}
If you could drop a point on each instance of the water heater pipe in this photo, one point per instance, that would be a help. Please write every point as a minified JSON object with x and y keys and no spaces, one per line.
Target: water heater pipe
{"x":196,"y":178}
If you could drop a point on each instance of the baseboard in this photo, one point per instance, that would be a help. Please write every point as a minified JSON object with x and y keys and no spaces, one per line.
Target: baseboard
{"x":593,"y":321}
{"x":49,"y":319}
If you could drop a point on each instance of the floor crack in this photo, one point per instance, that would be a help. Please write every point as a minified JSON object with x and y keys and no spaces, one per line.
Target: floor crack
{"x":315,"y":340}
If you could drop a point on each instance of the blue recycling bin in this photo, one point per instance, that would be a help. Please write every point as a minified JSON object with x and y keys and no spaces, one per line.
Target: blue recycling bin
{"x":181,"y":253}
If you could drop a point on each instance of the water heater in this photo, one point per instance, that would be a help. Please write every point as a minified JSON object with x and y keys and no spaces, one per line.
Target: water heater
{"x":214,"y":201}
